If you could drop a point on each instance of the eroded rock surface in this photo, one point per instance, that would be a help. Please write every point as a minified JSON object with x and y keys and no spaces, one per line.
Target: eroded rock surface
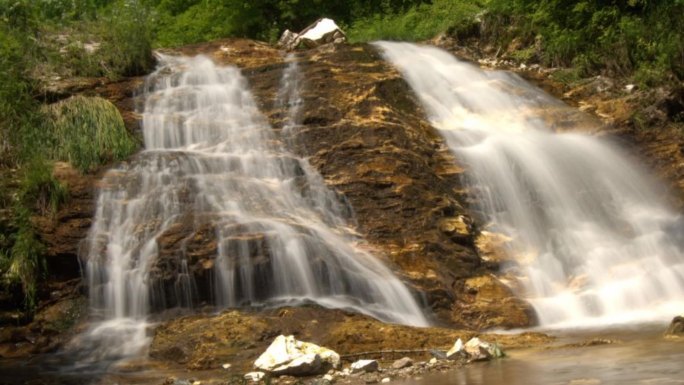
{"x":362,"y":129}
{"x":239,"y":337}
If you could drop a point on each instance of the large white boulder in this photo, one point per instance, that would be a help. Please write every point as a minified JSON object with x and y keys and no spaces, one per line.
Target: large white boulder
{"x":286,"y":355}
{"x":323,"y":31}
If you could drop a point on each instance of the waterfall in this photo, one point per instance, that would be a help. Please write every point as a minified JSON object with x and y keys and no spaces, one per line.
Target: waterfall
{"x":213,"y":169}
{"x":288,"y":97}
{"x":599,"y":245}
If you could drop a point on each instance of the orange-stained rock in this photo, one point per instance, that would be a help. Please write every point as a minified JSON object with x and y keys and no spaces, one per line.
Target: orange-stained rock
{"x":239,"y":337}
{"x":490,"y":303}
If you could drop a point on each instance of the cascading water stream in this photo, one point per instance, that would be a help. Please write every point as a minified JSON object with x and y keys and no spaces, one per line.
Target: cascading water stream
{"x":214,"y":168}
{"x":288,"y":95}
{"x":599,"y":243}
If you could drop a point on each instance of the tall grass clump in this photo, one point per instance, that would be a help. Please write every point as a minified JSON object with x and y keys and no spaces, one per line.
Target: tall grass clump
{"x":23,"y":263}
{"x":88,"y":132}
{"x":21,"y":257}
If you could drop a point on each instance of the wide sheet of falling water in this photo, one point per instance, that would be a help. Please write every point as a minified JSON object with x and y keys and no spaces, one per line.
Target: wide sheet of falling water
{"x":211,"y":159}
{"x":597,"y":241}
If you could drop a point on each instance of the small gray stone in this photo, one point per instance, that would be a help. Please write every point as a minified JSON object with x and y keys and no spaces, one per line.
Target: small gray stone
{"x":366,"y":366}
{"x":401,"y":363}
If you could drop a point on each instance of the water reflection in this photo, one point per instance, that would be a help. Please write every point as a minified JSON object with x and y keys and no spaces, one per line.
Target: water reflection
{"x":639,"y":357}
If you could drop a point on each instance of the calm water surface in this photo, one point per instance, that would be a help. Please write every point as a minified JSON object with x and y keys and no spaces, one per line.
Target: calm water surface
{"x":640,"y":355}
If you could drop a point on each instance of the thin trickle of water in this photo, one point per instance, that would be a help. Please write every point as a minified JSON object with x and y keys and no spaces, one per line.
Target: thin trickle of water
{"x":599,"y":243}
{"x":213,"y":168}
{"x":288,"y":97}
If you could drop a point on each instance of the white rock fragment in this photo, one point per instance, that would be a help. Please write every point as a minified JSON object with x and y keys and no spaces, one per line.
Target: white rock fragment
{"x":254,"y":376}
{"x":320,"y":28}
{"x":226,"y":366}
{"x":286,"y":355}
{"x":323,"y":31}
{"x":385,"y":380}
{"x":364,"y":366}
{"x":455,"y":350}
{"x":287,"y":39}
{"x":478,"y":350}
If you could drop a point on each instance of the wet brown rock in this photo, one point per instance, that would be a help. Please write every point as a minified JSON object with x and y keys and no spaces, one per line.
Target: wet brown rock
{"x":363,"y":130}
{"x":491,"y":303}
{"x":54,"y":322}
{"x":676,"y":328}
{"x":62,"y":232}
{"x":239,"y":337}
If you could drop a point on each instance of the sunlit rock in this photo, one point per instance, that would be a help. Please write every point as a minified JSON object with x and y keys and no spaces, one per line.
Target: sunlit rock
{"x":487,"y":294}
{"x":366,"y":366}
{"x":254,"y":376}
{"x":323,"y":31}
{"x":286,"y":355}
{"x":478,"y":350}
{"x":456,"y":350}
{"x":402,"y":363}
{"x":287,"y":39}
{"x":457,"y":227}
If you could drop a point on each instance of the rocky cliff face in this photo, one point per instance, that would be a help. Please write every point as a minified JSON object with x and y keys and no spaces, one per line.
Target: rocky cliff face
{"x":363,"y":130}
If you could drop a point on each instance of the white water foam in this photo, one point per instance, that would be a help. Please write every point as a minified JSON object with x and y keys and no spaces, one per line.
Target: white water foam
{"x":601,"y":245}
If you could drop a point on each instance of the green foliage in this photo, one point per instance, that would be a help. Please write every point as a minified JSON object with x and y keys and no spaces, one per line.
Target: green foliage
{"x":25,"y":263}
{"x":17,"y":52}
{"x":418,"y":22}
{"x":636,"y":37}
{"x":88,"y":132}
{"x":567,"y":75}
{"x":39,"y":191}
{"x":192,"y":21}
{"x":21,"y":254}
{"x":113,"y":41}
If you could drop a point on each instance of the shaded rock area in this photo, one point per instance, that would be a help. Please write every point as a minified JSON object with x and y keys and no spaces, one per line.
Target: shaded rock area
{"x":63,"y":231}
{"x":676,"y":328}
{"x":239,"y":337}
{"x":63,"y":307}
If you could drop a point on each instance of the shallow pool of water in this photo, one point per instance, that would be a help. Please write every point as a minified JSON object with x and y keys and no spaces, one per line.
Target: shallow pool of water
{"x":639,"y":355}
